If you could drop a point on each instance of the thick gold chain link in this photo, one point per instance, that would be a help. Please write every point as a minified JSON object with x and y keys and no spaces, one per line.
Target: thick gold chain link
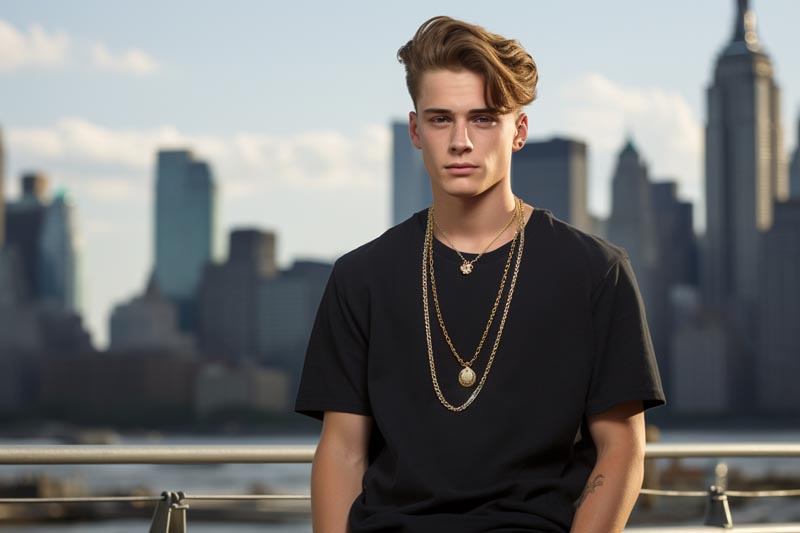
{"x":428,"y":248}
{"x":494,"y":307}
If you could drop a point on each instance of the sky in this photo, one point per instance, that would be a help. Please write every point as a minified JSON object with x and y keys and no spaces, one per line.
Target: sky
{"x":291,"y":104}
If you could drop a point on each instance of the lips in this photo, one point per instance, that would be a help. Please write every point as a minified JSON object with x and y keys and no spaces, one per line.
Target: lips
{"x":461,"y":169}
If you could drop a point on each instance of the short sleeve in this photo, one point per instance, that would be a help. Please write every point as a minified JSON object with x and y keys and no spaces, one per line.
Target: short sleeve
{"x":624,"y":367}
{"x":334,"y":371}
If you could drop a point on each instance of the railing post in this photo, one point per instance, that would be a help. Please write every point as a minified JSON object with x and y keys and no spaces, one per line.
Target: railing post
{"x":177,"y":521}
{"x":161,"y":516}
{"x":170,"y":514}
{"x":718,"y":513}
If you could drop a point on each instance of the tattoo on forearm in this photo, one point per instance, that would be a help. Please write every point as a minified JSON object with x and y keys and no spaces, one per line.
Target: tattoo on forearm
{"x":591,"y":486}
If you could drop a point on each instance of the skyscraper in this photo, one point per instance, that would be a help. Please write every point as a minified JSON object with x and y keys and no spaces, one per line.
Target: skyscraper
{"x":185,"y":227}
{"x":23,"y":230}
{"x":745,"y":170}
{"x":779,"y":313}
{"x":674,"y":223}
{"x":287,"y":307}
{"x":411,"y":188}
{"x":228,"y":312}
{"x":2,"y":193}
{"x":59,"y":272}
{"x":552,"y":174}
{"x":675,"y":270}
{"x":794,"y":172}
{"x":631,"y":224}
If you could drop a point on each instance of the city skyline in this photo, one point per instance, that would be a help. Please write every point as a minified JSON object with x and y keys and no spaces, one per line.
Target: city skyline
{"x":269,"y":162}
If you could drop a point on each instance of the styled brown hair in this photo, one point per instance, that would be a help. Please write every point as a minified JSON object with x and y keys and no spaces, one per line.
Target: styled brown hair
{"x":446,"y":43}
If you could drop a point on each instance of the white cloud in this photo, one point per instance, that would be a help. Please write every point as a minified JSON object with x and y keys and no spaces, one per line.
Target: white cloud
{"x":249,"y":161}
{"x":112,"y":189}
{"x":666,"y":132}
{"x":34,"y":48}
{"x":133,"y":61}
{"x":315,"y":159}
{"x":37,"y":47}
{"x":81,"y":141}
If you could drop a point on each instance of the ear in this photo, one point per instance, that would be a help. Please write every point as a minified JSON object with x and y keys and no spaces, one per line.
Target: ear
{"x":413,"y":130}
{"x":521,"y":134}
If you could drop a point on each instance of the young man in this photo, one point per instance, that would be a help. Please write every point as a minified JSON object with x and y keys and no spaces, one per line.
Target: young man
{"x":481,"y":366}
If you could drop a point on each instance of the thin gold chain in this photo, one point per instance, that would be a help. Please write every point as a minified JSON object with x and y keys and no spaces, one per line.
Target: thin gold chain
{"x":427,"y":248}
{"x":464,"y":259}
{"x":494,"y":307}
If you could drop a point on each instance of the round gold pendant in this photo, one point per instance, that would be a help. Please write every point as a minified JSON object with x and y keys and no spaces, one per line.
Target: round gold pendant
{"x":466,"y":378}
{"x":466,"y":268}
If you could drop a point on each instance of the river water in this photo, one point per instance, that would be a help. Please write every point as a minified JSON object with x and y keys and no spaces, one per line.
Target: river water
{"x":289,"y":478}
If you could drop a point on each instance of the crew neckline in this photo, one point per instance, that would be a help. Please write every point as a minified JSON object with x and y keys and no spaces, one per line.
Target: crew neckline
{"x":446,"y":253}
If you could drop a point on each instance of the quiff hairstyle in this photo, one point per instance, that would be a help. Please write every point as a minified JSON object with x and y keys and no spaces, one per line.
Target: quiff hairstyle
{"x":444,"y":43}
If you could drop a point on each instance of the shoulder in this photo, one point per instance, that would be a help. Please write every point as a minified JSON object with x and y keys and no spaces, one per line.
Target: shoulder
{"x":356,"y":265}
{"x":589,"y":254}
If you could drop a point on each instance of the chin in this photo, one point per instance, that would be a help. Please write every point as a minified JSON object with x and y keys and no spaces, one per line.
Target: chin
{"x":463,"y":188}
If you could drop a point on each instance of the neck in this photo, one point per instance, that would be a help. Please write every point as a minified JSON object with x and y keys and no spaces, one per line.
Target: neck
{"x":470,"y":223}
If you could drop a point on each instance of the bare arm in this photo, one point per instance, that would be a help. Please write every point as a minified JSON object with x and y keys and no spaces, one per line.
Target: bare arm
{"x":614,"y":484}
{"x":338,"y":469}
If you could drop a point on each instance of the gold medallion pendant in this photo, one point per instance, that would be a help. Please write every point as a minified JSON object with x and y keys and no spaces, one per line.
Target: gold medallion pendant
{"x":466,"y":377}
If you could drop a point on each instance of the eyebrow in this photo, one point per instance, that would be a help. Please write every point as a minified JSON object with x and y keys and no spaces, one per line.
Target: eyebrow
{"x":441,"y":111}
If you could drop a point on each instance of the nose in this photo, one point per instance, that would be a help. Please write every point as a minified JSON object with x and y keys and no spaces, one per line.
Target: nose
{"x":459,"y":140}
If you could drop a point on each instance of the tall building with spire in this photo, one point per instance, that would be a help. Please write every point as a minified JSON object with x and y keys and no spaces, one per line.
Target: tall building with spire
{"x":185,"y":228}
{"x":632,"y":226}
{"x":745,"y":169}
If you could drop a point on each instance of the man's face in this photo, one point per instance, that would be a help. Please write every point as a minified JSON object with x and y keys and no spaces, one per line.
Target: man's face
{"x":466,"y":146}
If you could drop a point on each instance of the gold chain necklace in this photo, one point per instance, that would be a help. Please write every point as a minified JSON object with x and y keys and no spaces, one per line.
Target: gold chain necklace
{"x":467,"y":376}
{"x":466,"y":265}
{"x":428,"y":249}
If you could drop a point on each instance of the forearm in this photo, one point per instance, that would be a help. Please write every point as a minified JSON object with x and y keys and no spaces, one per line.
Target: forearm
{"x":335,"y":482}
{"x":611,"y":492}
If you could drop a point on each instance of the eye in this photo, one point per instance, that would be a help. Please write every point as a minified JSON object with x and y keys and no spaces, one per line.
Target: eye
{"x":440,"y":119}
{"x":484,"y":120}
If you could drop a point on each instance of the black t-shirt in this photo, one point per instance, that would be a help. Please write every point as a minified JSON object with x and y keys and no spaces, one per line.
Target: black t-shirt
{"x":575,"y":343}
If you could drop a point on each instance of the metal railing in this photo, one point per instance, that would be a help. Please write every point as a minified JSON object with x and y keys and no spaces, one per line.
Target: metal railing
{"x":171,"y":507}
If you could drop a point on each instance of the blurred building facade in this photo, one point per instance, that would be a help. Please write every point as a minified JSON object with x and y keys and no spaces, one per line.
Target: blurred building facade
{"x":676,"y":269}
{"x":59,"y":278}
{"x":220,"y":388}
{"x":552,"y":175}
{"x":778,"y":314}
{"x":288,"y":305}
{"x":24,"y":221}
{"x":744,"y":166}
{"x":2,"y":192}
{"x":148,"y":322}
{"x":746,"y":175}
{"x":794,"y":168}
{"x":228,"y":305}
{"x":632,"y":225}
{"x":411,"y":187}
{"x":185,"y":227}
{"x":148,"y":387}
